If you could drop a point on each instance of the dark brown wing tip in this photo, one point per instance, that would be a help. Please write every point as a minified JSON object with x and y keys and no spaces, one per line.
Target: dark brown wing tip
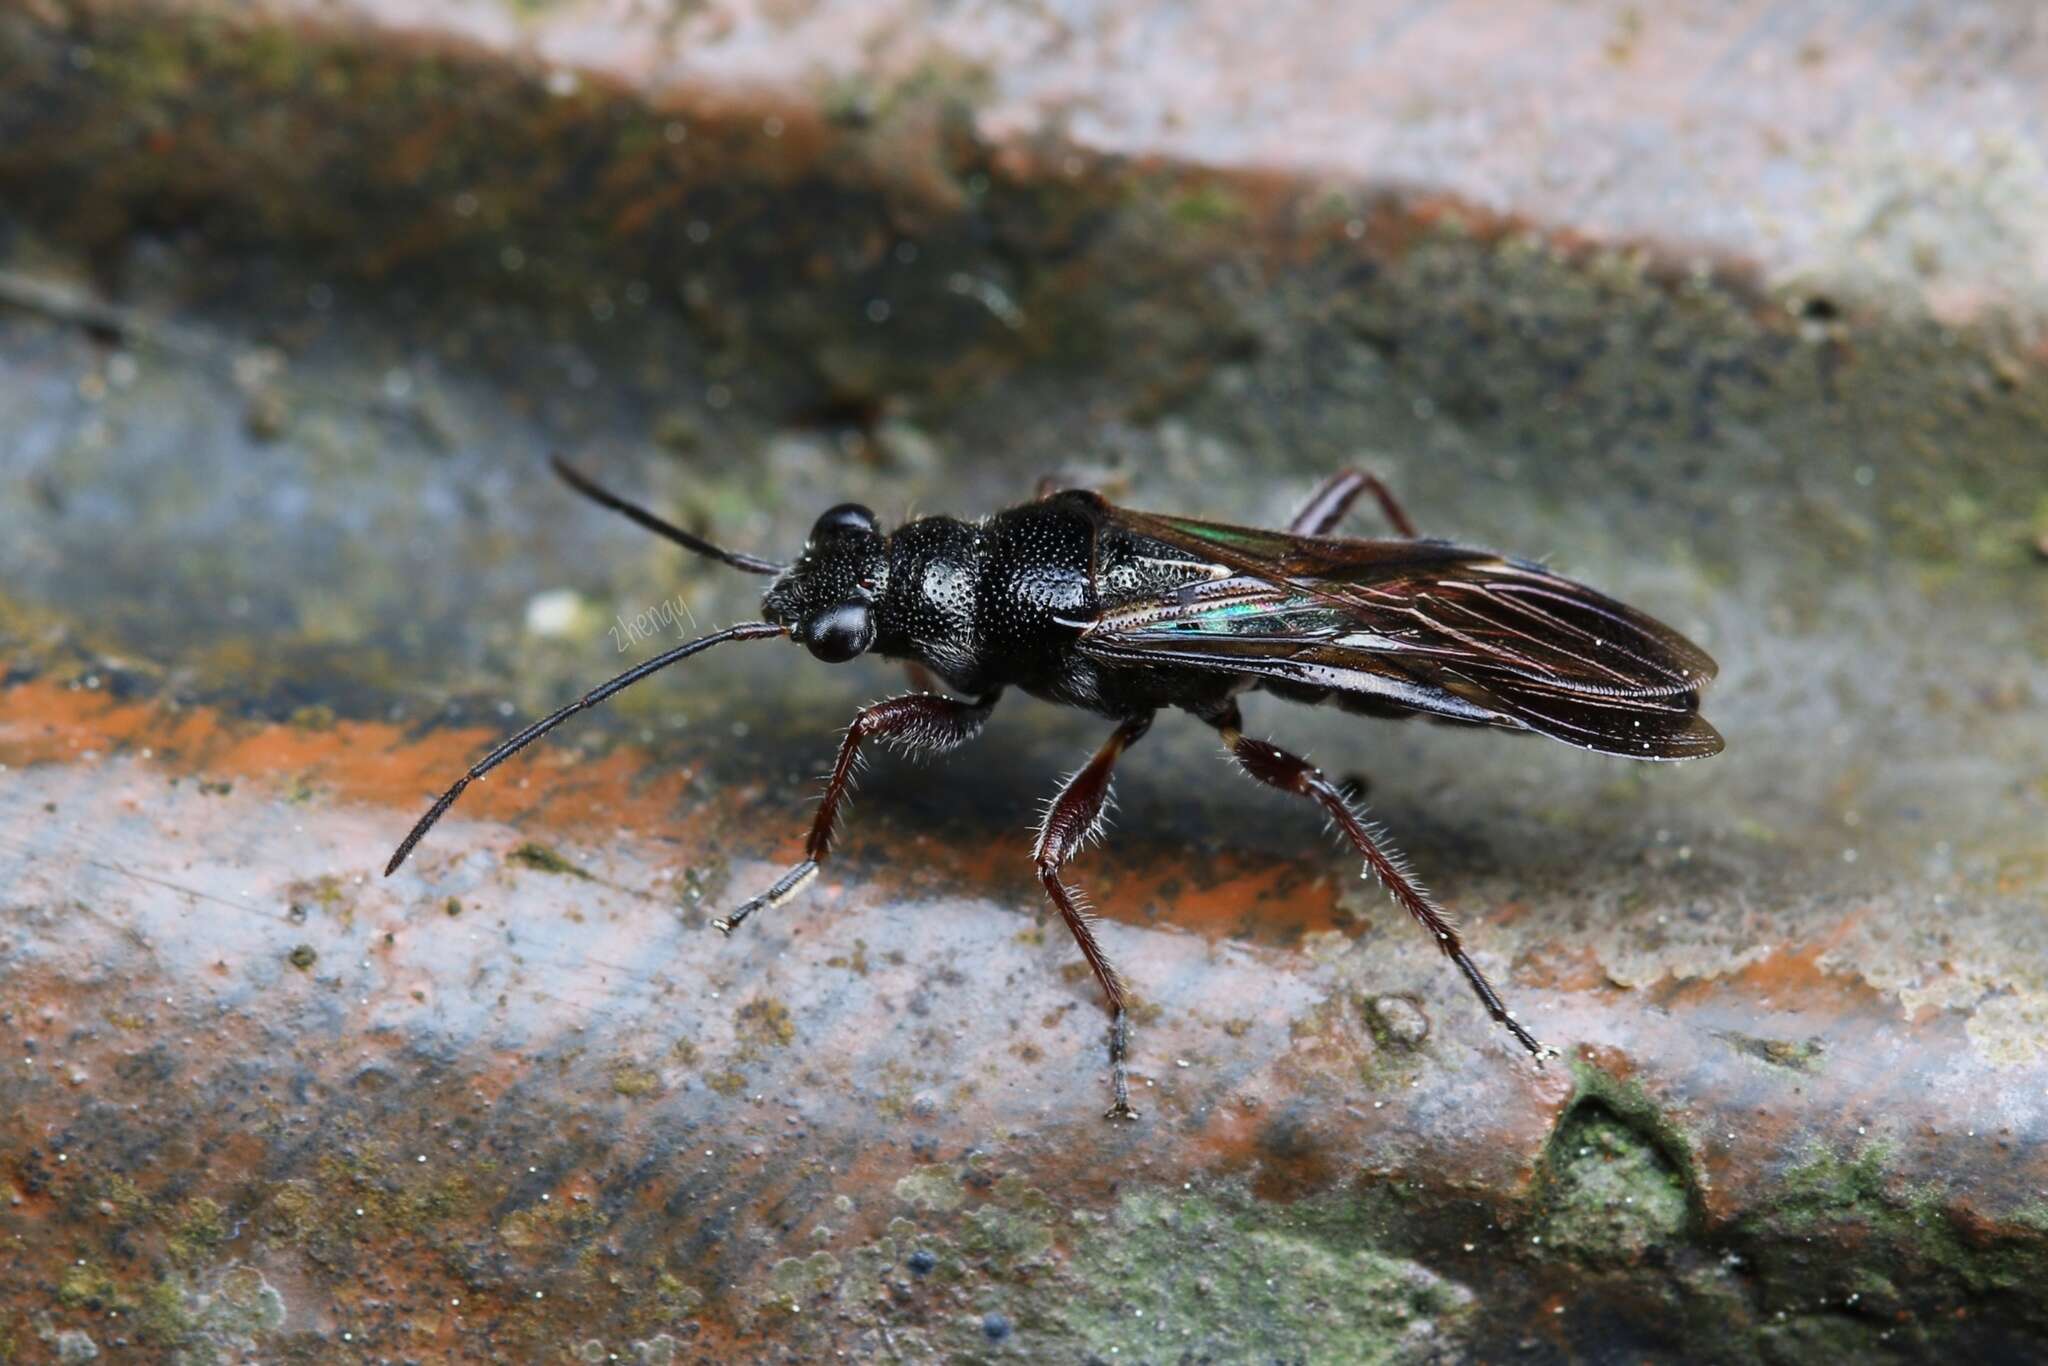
{"x":1695,"y":739}
{"x":1690,"y":740}
{"x":1700,"y":667}
{"x":1693,"y":663}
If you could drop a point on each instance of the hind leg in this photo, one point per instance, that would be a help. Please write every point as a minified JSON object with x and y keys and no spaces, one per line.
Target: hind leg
{"x":1333,"y":498}
{"x":1277,"y":768}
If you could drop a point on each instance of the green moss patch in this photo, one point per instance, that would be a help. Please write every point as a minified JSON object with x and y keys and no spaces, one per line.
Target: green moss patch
{"x":1188,"y":1278}
{"x":1611,"y":1192}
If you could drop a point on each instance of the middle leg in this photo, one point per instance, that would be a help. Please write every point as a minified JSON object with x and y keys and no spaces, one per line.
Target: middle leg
{"x":1074,"y":817}
{"x":1290,"y":773}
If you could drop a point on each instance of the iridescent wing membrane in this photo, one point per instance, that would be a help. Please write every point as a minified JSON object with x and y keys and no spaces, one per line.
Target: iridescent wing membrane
{"x":1421,"y":625}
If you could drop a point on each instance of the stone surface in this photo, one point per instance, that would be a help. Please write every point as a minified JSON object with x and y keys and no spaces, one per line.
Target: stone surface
{"x":293,"y":306}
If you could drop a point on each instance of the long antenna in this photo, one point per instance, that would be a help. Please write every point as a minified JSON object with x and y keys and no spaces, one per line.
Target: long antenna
{"x":750,"y":630}
{"x":575,"y":479}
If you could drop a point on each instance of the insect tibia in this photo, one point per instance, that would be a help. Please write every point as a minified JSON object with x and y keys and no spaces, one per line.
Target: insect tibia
{"x":1078,"y":901}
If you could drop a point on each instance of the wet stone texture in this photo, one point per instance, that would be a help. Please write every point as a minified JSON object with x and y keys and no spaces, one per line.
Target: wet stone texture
{"x":1738,"y":316}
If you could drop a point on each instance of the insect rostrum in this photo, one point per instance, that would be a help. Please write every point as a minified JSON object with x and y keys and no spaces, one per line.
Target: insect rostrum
{"x":1080,"y":602}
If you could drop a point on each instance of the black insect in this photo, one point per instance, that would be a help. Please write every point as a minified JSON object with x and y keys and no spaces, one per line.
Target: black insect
{"x":1087,"y":604}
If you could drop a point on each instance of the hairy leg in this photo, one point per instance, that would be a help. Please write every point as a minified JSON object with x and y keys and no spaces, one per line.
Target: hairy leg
{"x":1277,"y":768}
{"x":1333,"y":498}
{"x":921,"y":721}
{"x":1073,"y":818}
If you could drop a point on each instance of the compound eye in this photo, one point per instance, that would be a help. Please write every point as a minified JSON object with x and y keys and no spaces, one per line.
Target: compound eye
{"x":845,"y":517}
{"x":840,"y":633}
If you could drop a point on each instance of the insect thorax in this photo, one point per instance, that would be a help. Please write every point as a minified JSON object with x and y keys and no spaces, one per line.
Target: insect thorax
{"x":991,"y":603}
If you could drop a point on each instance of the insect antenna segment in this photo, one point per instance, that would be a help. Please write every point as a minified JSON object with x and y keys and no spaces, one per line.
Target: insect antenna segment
{"x":750,"y":630}
{"x":640,"y":516}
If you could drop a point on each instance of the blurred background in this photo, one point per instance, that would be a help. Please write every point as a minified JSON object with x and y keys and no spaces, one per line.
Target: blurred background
{"x":1735,"y":311}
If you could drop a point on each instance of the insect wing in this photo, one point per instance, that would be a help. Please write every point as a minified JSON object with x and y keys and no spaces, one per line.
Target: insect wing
{"x":1279,"y":556}
{"x":1436,"y":627}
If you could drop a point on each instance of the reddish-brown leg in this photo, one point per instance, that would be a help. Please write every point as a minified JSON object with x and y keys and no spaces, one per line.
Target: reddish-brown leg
{"x":1276,"y":767}
{"x":917,"y":721}
{"x":1075,"y":817}
{"x":1333,"y":498}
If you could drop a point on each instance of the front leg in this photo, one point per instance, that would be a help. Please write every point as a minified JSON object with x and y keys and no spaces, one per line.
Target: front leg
{"x":1073,"y":818}
{"x":917,"y":721}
